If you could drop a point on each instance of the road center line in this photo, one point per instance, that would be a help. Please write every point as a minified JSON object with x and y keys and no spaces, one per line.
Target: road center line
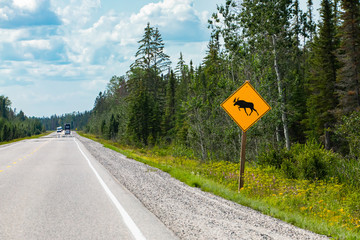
{"x":127,"y":219}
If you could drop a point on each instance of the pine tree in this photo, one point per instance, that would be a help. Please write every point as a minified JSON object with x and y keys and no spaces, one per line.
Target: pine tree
{"x":150,"y":54}
{"x":140,"y":115}
{"x":5,"y":104}
{"x":145,"y":51}
{"x":170,"y":105}
{"x":147,"y":82}
{"x":322,"y":76}
{"x":310,"y":21}
{"x":349,"y":56}
{"x":183,"y":82}
{"x":6,"y":133}
{"x":161,"y":61}
{"x":113,"y":127}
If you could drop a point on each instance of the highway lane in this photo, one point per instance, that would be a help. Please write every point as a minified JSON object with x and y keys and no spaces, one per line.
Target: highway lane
{"x":52,"y":188}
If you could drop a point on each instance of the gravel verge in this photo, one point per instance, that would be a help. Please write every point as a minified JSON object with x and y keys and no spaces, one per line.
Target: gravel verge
{"x":189,"y":212}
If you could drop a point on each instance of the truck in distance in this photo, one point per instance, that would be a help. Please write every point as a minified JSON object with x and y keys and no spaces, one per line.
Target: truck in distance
{"x":67,"y":129}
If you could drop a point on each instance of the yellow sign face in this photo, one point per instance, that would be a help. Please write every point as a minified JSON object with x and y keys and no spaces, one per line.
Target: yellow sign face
{"x":245,"y":106}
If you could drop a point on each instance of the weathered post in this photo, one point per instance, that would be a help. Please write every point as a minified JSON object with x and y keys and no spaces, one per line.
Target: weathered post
{"x":242,"y":160}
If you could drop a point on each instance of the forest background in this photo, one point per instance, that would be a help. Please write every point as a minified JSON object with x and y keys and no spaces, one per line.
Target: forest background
{"x":308,"y":73}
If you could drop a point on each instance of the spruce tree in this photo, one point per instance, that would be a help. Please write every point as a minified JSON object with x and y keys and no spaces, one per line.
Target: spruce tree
{"x":113,"y":126}
{"x":170,"y":105}
{"x":349,"y":56}
{"x":150,"y":54}
{"x":161,"y":61}
{"x":147,"y":82}
{"x":322,"y":75}
{"x":145,"y":51}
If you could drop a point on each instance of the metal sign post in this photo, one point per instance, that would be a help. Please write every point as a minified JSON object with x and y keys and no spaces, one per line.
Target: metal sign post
{"x":245,"y":106}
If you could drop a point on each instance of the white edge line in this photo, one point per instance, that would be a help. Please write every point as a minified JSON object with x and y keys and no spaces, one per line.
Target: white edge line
{"x":1,"y":148}
{"x":127,"y":219}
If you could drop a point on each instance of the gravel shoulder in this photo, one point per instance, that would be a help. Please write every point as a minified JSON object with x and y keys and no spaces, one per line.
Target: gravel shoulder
{"x":189,"y":212}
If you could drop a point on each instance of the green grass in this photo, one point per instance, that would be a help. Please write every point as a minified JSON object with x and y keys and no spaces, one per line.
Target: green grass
{"x":326,"y":208}
{"x":31,"y":137}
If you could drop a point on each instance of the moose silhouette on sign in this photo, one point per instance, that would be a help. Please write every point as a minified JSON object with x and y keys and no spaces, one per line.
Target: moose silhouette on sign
{"x":243,"y":104}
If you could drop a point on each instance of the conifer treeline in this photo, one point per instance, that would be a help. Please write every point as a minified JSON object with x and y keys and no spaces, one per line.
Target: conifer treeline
{"x":309,"y":75}
{"x":77,"y":120}
{"x":16,"y":125}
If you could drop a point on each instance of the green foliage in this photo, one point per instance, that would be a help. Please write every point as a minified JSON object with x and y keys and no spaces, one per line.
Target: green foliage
{"x":141,"y":116}
{"x":312,"y":161}
{"x":113,"y":126}
{"x":14,"y":126}
{"x":77,"y":120}
{"x":349,"y":55}
{"x":349,"y":129}
{"x":150,"y":54}
{"x":273,"y":157}
{"x":322,"y":76}
{"x":308,"y":161}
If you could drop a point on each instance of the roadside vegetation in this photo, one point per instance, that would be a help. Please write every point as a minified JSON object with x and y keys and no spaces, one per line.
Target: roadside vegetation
{"x":324,"y":206}
{"x":24,"y":138}
{"x":302,"y":156}
{"x":15,"y":125}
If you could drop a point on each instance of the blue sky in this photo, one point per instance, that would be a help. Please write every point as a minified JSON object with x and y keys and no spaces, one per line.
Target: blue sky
{"x":56,"y":56}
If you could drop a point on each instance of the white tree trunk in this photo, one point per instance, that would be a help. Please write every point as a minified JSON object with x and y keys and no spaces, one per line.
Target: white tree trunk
{"x":281,"y":95}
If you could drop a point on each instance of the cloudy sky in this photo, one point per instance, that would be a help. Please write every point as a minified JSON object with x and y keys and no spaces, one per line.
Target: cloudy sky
{"x":56,"y":56}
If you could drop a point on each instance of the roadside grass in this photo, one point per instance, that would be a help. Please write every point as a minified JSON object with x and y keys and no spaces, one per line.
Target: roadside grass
{"x":324,"y":207}
{"x":24,"y":138}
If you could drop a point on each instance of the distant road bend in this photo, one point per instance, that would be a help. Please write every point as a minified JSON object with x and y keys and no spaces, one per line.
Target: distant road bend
{"x":69,"y":187}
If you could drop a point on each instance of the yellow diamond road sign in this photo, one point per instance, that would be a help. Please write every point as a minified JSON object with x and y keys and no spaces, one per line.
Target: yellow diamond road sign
{"x":245,"y":106}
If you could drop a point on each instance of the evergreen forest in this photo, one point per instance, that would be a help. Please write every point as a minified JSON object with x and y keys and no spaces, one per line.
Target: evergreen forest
{"x":77,"y":120}
{"x":15,"y":125}
{"x":307,"y":71}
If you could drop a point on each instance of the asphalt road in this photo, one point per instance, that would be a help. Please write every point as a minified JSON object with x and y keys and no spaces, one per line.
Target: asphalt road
{"x":52,"y":188}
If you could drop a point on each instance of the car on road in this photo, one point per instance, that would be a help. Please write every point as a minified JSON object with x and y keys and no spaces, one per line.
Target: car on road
{"x":59,"y":129}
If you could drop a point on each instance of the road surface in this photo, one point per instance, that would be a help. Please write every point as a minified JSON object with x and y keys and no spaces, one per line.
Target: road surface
{"x":52,"y":188}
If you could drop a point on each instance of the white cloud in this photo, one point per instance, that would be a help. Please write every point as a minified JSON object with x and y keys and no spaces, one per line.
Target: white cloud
{"x":166,"y":9}
{"x":76,"y":13}
{"x":176,"y":20}
{"x":30,"y":5}
{"x":5,"y":12}
{"x":112,"y":39}
{"x":39,"y":44}
{"x":84,"y":51}
{"x":12,"y":35}
{"x":26,"y":13}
